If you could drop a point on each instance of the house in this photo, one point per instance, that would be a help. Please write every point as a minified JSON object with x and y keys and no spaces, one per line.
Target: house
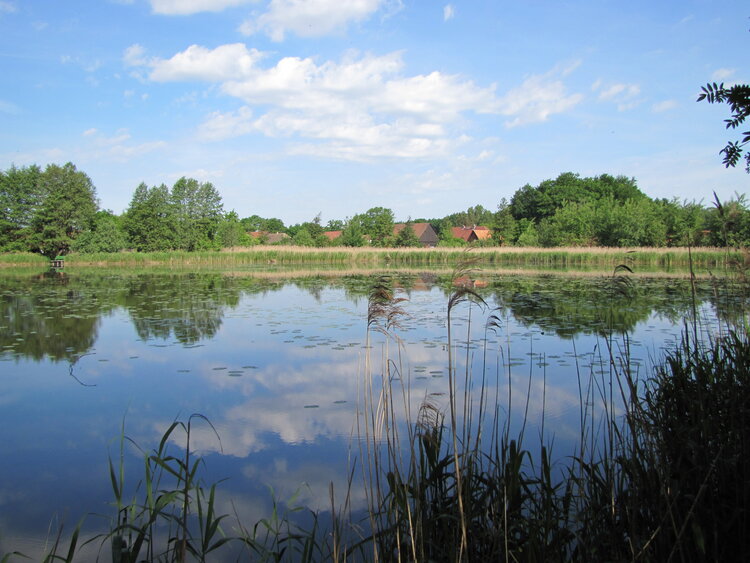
{"x":424,"y":231}
{"x":471,"y":234}
{"x":332,"y":235}
{"x":269,"y":238}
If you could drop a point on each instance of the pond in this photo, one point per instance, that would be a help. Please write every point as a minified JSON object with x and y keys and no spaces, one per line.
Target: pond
{"x":277,"y":367}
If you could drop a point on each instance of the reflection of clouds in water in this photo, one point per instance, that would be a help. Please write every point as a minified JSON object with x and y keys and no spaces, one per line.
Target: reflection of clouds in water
{"x":309,"y":483}
{"x":244,"y":429}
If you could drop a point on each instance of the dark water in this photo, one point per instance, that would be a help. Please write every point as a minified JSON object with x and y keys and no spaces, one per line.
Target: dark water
{"x":277,"y":367}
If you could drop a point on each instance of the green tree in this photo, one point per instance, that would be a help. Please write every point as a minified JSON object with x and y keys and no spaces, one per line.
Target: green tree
{"x":537,"y":203}
{"x":303,"y":237}
{"x":476,"y":215}
{"x":377,"y":223}
{"x":106,"y":235}
{"x":738,"y":99}
{"x":198,"y":211}
{"x":149,"y":220}
{"x":529,"y":235}
{"x":20,"y":197}
{"x":406,"y":237}
{"x":729,"y":222}
{"x":67,"y":209}
{"x":504,"y":226}
{"x":335,"y":225}
{"x":353,"y":234}
{"x":230,"y":231}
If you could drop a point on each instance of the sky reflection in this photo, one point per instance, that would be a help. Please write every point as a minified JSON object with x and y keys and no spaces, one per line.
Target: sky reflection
{"x":279,"y":371}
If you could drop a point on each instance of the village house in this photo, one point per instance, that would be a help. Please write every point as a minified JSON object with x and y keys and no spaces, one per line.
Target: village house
{"x":472,"y":234}
{"x":424,"y":231}
{"x":269,"y":238}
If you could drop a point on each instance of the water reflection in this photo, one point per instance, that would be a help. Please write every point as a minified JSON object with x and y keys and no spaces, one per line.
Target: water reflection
{"x":277,"y":365}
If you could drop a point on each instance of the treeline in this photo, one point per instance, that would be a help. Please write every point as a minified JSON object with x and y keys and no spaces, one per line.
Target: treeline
{"x":56,"y":211}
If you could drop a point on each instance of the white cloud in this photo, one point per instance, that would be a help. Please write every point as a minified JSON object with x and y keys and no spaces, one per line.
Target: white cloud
{"x":665,"y":105}
{"x":117,"y":147}
{"x":135,"y":55}
{"x":233,"y":61}
{"x":449,"y":12}
{"x":624,"y":95}
{"x":722,"y":74}
{"x":539,"y":97}
{"x":226,"y":125}
{"x":361,"y":107}
{"x":7,"y":7}
{"x":309,"y":18}
{"x":187,"y":7}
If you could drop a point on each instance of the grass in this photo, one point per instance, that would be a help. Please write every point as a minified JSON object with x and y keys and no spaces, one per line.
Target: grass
{"x":661,"y":471}
{"x":606,"y":258}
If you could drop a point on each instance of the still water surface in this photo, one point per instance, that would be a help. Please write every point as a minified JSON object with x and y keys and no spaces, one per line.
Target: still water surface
{"x":277,"y":366}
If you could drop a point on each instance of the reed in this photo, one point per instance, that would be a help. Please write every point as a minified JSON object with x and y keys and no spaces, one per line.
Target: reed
{"x":574,"y":257}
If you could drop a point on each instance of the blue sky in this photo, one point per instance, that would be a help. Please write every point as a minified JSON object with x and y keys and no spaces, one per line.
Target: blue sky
{"x":297,"y":107}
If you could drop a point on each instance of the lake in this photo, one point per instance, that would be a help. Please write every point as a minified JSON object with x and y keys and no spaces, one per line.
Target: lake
{"x":277,"y":366}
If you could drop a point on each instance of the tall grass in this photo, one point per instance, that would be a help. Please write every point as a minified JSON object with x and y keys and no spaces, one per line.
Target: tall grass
{"x":660,"y":472}
{"x":572,"y":257}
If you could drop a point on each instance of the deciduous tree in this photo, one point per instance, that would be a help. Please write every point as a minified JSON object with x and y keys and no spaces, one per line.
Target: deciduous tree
{"x":67,"y":209}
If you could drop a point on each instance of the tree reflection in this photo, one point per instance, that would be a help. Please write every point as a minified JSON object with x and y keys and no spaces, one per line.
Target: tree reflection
{"x":47,"y":316}
{"x":57,"y":316}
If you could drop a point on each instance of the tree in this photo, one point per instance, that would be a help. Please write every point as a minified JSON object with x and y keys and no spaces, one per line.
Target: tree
{"x":353,"y":234}
{"x":150,"y":219}
{"x":20,"y":197}
{"x":476,"y":215}
{"x":198,"y":211}
{"x":738,"y":99}
{"x":504,"y":227}
{"x":230,"y":232}
{"x":335,"y":225}
{"x":67,"y":209}
{"x":377,"y":223}
{"x":406,"y":237}
{"x":105,"y":235}
{"x":537,"y":203}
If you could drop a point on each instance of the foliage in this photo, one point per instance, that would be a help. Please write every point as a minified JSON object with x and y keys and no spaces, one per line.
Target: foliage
{"x":20,"y":196}
{"x":406,"y":237}
{"x":377,"y":223}
{"x":198,"y":211}
{"x":106,"y":235}
{"x":476,"y":215}
{"x":257,"y":223}
{"x":529,"y":236}
{"x":353,"y":233}
{"x":738,"y":99}
{"x":66,"y":210}
{"x":504,"y":225}
{"x":230,"y":232}
{"x":537,"y":203}
{"x":150,"y":221}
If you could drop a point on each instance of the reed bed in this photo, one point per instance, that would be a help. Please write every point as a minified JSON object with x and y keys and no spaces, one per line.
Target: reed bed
{"x":606,"y":258}
{"x":661,"y":471}
{"x":22,"y":259}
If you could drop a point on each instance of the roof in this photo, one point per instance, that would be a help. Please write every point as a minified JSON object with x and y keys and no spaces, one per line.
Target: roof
{"x":332,"y":235}
{"x":418,"y":228}
{"x":471,"y":233}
